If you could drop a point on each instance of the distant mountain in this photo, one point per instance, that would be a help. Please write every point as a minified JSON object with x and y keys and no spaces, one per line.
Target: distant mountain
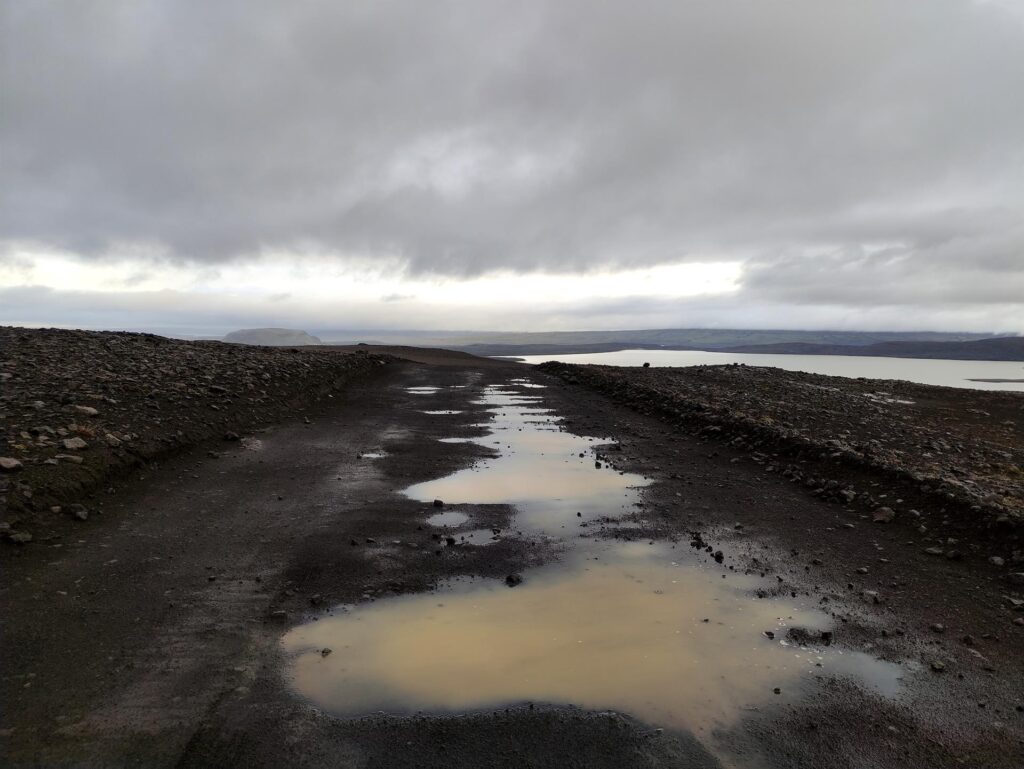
{"x":995,"y":348}
{"x":272,"y":337}
{"x":665,"y":338}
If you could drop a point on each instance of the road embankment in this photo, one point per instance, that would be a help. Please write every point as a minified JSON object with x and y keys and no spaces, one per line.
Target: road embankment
{"x":947,"y":461}
{"x":80,"y":408}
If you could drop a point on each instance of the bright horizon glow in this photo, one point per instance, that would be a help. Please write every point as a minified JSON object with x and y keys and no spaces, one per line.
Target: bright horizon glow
{"x":293,"y":276}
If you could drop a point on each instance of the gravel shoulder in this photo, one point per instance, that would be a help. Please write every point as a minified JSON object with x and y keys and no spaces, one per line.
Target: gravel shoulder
{"x":953,"y":457}
{"x":79,"y":409}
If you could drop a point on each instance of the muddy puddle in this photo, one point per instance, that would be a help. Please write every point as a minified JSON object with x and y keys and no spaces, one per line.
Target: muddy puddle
{"x":647,"y":628}
{"x":450,"y":518}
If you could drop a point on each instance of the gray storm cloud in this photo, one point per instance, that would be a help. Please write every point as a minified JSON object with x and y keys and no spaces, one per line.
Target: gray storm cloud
{"x":878,"y":142}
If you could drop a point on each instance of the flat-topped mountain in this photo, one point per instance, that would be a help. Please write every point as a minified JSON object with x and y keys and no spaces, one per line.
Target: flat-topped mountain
{"x":272,"y":337}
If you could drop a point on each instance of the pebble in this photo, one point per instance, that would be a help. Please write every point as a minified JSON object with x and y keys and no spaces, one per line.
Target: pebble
{"x":513,"y":579}
{"x":10,"y":464}
{"x":884,"y":515}
{"x":74,"y":444}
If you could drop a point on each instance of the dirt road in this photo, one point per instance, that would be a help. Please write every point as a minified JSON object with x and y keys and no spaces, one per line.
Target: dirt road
{"x":157,"y":632}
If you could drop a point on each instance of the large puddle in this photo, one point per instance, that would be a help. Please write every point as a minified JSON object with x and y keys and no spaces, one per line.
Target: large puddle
{"x":646,"y":628}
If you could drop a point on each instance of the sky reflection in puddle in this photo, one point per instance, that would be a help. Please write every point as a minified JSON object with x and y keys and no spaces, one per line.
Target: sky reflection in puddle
{"x":669,"y":642}
{"x":549,"y":475}
{"x":449,"y":518}
{"x":643,"y":628}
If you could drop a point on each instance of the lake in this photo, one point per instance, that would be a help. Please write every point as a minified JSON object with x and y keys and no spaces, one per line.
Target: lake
{"x":947,"y":373}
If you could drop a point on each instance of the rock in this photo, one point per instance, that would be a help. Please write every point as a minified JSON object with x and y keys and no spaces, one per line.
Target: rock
{"x":19,"y":537}
{"x":934,"y":551}
{"x":232,"y":436}
{"x":938,"y":666}
{"x":1018,"y":621}
{"x":937,"y":627}
{"x":770,"y":635}
{"x":438,"y":503}
{"x":884,"y":515}
{"x":872,"y":595}
{"x":848,"y":495}
{"x":88,"y":411}
{"x":10,"y":464}
{"x":513,"y":579}
{"x":995,"y":560}
{"x":112,"y":440}
{"x":74,"y":444}
{"x":72,"y":458}
{"x":325,"y":651}
{"x":862,"y":570}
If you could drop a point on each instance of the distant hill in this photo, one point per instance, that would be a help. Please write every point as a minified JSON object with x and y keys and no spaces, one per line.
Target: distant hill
{"x":663,"y":338}
{"x":995,"y":348}
{"x":272,"y":337}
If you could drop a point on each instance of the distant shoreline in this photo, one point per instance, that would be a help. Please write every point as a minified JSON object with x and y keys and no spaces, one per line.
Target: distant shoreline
{"x":1009,"y":349}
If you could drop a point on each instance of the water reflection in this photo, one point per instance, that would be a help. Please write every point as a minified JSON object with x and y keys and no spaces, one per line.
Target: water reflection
{"x":449,"y":518}
{"x":645,"y":628}
{"x":548,"y":474}
{"x":669,"y":642}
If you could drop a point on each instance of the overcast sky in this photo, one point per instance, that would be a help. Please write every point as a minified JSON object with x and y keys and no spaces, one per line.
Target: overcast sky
{"x":568,"y":164}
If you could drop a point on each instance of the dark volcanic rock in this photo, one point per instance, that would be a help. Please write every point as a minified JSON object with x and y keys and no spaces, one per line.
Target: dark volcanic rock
{"x":79,"y":407}
{"x":951,"y":456}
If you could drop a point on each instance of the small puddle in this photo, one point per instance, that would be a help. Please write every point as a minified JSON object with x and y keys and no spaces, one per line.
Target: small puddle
{"x":476,"y":537}
{"x":373,"y":455}
{"x":422,"y":390}
{"x":450,"y":518}
{"x":651,"y":629}
{"x":442,"y":411}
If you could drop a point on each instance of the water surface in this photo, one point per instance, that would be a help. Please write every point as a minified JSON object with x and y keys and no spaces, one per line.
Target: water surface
{"x":947,"y":373}
{"x":657,"y":630}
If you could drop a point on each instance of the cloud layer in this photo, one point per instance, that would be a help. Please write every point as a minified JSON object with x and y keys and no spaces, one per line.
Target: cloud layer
{"x":849,"y":154}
